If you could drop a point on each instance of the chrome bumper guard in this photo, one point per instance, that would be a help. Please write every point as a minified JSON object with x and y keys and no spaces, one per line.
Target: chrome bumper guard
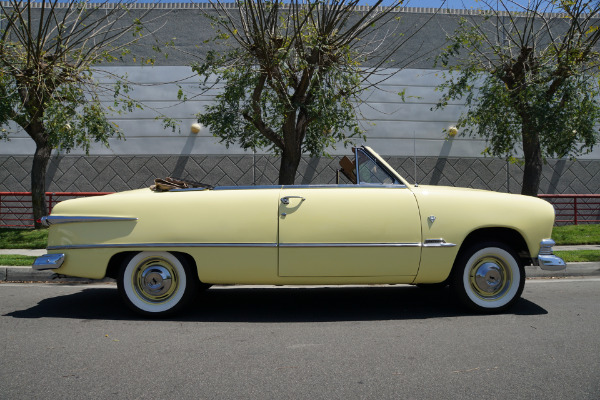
{"x":48,"y":261}
{"x":546,"y":260}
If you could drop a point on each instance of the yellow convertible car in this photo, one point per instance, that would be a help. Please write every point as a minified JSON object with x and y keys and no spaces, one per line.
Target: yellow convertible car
{"x":163,"y":247}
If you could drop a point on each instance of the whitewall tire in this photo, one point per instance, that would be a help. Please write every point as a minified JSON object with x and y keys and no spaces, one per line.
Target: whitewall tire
{"x":488,"y":277}
{"x":156,"y":283}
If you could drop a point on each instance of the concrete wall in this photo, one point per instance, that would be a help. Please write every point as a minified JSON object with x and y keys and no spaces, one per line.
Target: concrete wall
{"x":392,"y":126}
{"x":116,"y":173}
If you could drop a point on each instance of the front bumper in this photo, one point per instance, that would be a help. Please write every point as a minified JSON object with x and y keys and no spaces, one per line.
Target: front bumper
{"x":48,"y":261}
{"x":546,"y":260}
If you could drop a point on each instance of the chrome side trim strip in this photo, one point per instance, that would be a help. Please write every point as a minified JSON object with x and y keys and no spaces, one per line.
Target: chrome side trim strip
{"x":244,"y":187}
{"x":194,"y":189}
{"x":145,"y":245}
{"x":437,"y":243}
{"x":349,"y":244}
{"x":57,"y":219}
{"x":347,"y":186}
{"x":319,"y":186}
{"x":428,"y":243}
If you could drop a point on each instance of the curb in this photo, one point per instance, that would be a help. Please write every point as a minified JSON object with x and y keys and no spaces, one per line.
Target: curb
{"x":28,"y":274}
{"x":572,"y":270}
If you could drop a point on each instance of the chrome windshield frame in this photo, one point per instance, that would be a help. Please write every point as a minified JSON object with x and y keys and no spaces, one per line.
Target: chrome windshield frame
{"x":366,"y":152}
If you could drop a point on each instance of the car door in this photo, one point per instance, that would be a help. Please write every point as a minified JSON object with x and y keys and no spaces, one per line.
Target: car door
{"x":348,"y":231}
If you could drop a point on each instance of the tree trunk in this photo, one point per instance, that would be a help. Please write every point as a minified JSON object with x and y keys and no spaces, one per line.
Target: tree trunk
{"x":532,"y":173}
{"x":290,"y":159}
{"x":38,"y":181}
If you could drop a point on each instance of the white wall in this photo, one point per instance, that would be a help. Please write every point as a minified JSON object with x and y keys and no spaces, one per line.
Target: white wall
{"x":400,"y":128}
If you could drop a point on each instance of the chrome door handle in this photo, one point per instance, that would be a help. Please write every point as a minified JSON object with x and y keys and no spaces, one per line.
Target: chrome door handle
{"x":286,"y":199}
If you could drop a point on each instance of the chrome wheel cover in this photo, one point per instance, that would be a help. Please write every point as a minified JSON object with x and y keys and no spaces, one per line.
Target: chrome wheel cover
{"x":155,"y":280}
{"x":490,"y":278}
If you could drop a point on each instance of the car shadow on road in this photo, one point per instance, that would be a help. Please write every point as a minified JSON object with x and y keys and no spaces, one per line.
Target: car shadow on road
{"x":277,"y":304}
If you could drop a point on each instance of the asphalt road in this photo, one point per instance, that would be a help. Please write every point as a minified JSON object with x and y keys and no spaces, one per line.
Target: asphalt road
{"x":392,"y":342}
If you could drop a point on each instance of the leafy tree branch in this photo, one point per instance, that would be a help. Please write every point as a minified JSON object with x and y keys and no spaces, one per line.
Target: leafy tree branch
{"x":49,"y":52}
{"x":529,"y":77}
{"x":293,"y":73}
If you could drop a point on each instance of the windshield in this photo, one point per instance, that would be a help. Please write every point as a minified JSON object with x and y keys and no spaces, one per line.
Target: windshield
{"x":370,"y":171}
{"x":370,"y":167}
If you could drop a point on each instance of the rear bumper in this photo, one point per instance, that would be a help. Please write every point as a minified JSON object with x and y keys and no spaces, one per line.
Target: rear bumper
{"x":48,"y":261}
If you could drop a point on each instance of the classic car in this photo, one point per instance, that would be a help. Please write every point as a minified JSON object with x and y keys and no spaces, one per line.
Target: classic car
{"x":163,"y":247}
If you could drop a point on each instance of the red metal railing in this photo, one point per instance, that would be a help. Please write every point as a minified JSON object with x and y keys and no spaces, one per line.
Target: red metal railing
{"x":16,"y":209}
{"x":575,"y":208}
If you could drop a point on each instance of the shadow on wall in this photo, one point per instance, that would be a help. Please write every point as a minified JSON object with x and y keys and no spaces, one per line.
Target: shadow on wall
{"x":184,"y":157}
{"x":558,"y":170}
{"x":441,"y":162}
{"x":311,"y":170}
{"x":52,"y":168}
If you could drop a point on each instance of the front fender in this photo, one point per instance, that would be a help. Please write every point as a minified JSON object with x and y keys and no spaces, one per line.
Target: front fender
{"x":453,"y":214}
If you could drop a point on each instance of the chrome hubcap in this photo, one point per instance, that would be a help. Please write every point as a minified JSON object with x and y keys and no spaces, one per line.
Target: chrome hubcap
{"x":155,"y":280}
{"x":490,"y":278}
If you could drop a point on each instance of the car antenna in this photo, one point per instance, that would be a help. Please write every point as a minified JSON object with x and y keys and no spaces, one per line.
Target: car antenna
{"x":415,"y":155}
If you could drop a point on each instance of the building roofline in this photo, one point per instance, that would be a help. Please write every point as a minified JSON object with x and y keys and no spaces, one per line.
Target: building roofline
{"x":232,"y":5}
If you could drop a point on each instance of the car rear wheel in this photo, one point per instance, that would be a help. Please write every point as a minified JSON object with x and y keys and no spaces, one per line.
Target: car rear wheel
{"x":156,"y":283}
{"x":488,"y":277}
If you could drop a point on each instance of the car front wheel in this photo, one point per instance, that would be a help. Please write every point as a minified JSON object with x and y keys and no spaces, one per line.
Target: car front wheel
{"x":156,"y":283}
{"x":488,"y":277}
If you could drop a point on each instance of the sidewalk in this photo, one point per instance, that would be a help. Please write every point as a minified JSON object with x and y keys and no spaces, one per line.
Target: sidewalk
{"x":578,"y":247}
{"x":24,"y":252}
{"x":27,"y":274}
